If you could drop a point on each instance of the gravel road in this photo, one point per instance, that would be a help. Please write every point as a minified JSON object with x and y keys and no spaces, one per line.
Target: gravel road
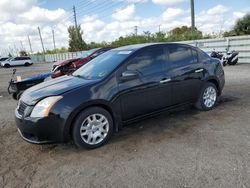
{"x":183,"y":149}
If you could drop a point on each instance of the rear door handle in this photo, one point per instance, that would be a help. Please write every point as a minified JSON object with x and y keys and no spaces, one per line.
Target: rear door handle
{"x":199,"y":70}
{"x":165,"y":80}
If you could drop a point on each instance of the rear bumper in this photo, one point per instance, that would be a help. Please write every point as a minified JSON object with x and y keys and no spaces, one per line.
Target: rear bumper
{"x":40,"y":131}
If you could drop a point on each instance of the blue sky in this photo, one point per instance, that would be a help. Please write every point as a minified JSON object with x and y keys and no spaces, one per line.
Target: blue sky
{"x":106,"y":20}
{"x":148,"y":8}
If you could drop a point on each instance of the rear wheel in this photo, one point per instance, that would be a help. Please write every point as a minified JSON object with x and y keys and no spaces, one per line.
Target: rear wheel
{"x":7,"y":65}
{"x":26,"y":64}
{"x":208,"y":97}
{"x":93,"y":128}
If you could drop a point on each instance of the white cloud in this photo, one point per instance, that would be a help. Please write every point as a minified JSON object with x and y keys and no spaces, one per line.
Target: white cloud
{"x":20,"y":18}
{"x":172,"y":13}
{"x":242,"y":13}
{"x":11,"y":8}
{"x":167,"y":2}
{"x":219,"y":9}
{"x":125,"y":13}
{"x":40,"y":15}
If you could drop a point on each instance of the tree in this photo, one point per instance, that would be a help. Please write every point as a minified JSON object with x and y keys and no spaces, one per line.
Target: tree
{"x":76,"y":42}
{"x":23,"y":53}
{"x":184,"y":33}
{"x":241,"y":27}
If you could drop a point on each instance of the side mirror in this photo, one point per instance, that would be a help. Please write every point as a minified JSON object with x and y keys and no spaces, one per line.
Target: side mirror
{"x":129,"y":75}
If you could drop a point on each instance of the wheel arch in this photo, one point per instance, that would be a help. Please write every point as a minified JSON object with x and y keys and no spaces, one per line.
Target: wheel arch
{"x":76,"y":112}
{"x":216,"y":83}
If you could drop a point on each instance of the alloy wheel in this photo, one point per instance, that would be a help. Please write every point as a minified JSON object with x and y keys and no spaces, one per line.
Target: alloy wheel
{"x":209,"y":97}
{"x":94,"y":129}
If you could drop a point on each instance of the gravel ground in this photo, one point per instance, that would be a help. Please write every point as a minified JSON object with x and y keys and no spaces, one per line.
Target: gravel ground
{"x":184,"y":149}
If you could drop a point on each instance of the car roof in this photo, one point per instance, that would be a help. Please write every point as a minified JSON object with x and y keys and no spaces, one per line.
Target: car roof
{"x":135,"y":47}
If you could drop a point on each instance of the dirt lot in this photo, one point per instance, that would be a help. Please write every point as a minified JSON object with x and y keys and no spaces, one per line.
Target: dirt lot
{"x":185,"y":149}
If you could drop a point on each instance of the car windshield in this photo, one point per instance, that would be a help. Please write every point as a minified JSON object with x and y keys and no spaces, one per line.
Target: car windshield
{"x":4,"y":58}
{"x":87,"y":53}
{"x":102,"y":65}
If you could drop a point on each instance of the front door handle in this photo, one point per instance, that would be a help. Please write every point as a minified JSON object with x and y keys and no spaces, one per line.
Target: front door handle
{"x":165,"y":80}
{"x":199,"y":70}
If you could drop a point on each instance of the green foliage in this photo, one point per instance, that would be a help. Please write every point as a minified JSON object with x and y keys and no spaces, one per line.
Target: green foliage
{"x":184,"y":33}
{"x":97,"y":45}
{"x":241,"y":27}
{"x":76,"y":42}
{"x":177,"y":34}
{"x":23,"y":53}
{"x":60,"y":50}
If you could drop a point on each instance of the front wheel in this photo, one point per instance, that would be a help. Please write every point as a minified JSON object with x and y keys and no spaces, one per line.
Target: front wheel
{"x":7,"y":65}
{"x":93,"y":128}
{"x":208,"y":97}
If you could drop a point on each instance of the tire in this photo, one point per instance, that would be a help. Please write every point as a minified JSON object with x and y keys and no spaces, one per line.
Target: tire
{"x":224,"y":63}
{"x":211,"y":92}
{"x":26,"y":64}
{"x":235,"y":62}
{"x":7,"y":65}
{"x":90,"y":129}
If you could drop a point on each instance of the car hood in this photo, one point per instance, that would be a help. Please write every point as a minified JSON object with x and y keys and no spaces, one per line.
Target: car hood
{"x":53,"y":87}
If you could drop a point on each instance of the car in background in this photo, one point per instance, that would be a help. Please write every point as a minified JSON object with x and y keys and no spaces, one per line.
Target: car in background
{"x":3,"y":59}
{"x":17,"y":61}
{"x":118,"y":87}
{"x":69,"y":66}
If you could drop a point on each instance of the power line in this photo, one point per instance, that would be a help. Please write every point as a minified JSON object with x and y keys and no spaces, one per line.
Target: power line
{"x":101,"y":9}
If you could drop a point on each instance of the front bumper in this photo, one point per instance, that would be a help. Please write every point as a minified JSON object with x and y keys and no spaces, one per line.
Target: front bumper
{"x":40,"y":131}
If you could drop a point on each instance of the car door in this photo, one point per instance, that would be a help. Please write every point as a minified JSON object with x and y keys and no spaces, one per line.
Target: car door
{"x":186,"y":73}
{"x":21,"y":61}
{"x":149,"y":90}
{"x":15,"y":61}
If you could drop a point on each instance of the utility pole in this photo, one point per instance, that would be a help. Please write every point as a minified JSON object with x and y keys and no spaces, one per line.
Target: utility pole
{"x":53,"y":34}
{"x":136,"y":30}
{"x":41,"y":39}
{"x":31,"y":51}
{"x":74,"y":12}
{"x":192,"y":15}
{"x":159,"y":28}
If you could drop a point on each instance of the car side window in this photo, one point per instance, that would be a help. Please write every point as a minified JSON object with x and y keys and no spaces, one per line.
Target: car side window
{"x":148,"y":61}
{"x":195,"y":56}
{"x":180,"y":56}
{"x":203,"y":57}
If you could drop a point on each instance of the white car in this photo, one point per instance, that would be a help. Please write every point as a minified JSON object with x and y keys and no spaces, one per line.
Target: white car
{"x":3,"y":59}
{"x":15,"y":61}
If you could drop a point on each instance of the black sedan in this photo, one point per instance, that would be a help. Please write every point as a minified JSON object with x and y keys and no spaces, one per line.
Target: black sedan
{"x":118,"y":87}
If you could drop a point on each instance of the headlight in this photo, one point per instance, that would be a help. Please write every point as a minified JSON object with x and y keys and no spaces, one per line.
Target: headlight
{"x":43,"y":107}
